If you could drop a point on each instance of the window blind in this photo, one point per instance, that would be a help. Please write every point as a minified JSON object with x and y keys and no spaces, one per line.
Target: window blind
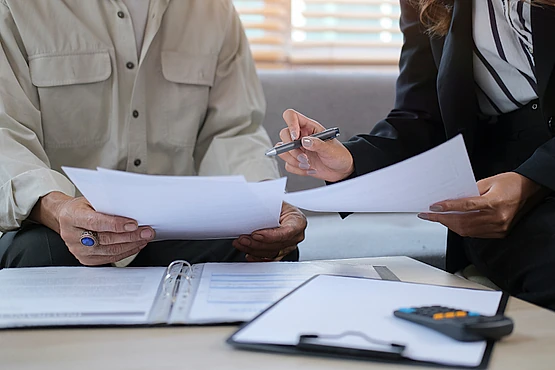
{"x":301,"y":32}
{"x":267,"y":24}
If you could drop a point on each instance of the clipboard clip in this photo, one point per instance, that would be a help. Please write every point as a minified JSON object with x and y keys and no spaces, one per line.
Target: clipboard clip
{"x":331,"y":345}
{"x":176,"y":272}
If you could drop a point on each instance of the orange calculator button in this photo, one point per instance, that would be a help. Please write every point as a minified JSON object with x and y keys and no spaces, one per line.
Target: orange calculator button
{"x":449,"y":315}
{"x":438,"y":316}
{"x":460,"y":313}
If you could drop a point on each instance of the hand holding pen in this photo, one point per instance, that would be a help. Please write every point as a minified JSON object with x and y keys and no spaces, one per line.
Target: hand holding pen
{"x":306,"y":154}
{"x":330,"y":133}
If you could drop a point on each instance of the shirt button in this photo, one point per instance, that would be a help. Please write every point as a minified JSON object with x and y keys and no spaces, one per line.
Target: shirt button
{"x":130,"y":65}
{"x":137,"y":162}
{"x":135,"y":113}
{"x":121,"y":14}
{"x":534,"y":106}
{"x":551,"y":125}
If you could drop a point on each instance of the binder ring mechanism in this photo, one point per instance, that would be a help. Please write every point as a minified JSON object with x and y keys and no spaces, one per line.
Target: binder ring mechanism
{"x":176,"y":272}
{"x":334,"y":344}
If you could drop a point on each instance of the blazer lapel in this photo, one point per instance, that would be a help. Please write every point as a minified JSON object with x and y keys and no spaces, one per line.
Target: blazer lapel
{"x":543,"y":33}
{"x":455,"y":84}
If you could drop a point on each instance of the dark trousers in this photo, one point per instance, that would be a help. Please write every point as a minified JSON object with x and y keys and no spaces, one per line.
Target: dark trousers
{"x":35,"y":245}
{"x":523,"y":263}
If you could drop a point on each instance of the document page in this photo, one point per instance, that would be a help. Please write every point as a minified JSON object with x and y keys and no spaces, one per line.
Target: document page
{"x":331,"y":305}
{"x":52,"y":296}
{"x":184,"y":207}
{"x":413,"y":185}
{"x":232,"y":292}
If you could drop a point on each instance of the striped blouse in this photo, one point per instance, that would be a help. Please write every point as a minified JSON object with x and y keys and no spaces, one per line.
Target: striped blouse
{"x":504,"y":67}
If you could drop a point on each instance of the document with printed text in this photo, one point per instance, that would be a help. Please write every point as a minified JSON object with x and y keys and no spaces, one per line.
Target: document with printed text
{"x":180,"y":294}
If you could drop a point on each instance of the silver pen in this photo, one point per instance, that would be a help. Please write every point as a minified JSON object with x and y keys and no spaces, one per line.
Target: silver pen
{"x":330,"y":133}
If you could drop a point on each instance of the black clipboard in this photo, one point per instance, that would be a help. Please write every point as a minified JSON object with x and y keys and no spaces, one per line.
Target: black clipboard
{"x":391,"y":352}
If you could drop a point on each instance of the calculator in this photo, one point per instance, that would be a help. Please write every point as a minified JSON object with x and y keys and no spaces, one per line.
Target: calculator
{"x":465,"y":326}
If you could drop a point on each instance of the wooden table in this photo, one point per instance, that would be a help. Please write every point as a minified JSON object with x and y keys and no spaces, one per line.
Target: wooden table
{"x":531,"y":346}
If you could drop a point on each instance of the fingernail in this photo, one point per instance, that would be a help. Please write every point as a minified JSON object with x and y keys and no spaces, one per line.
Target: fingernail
{"x":245,"y":241}
{"x":258,"y":237}
{"x":304,"y":166}
{"x":307,"y":142}
{"x":293,"y":135}
{"x":311,"y":172}
{"x":436,"y":208}
{"x":423,"y":216}
{"x":303,"y":158}
{"x":146,"y":234}
{"x":131,"y":226}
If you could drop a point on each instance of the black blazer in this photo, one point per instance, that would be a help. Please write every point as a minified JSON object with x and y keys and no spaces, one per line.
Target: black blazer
{"x":436,"y":100}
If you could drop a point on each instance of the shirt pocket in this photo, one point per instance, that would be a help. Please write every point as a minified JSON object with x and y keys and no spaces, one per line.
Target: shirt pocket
{"x":75,"y":97}
{"x":185,"y":99}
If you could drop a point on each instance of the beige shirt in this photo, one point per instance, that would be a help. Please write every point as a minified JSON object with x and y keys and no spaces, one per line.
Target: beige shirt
{"x":138,"y":12}
{"x":74,"y":92}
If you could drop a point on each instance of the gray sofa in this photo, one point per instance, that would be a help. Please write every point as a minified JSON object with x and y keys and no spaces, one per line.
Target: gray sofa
{"x":354,"y":101}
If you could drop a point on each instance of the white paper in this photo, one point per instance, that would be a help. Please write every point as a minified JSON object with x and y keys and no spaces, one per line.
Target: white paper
{"x":189,"y":208}
{"x":334,"y":305}
{"x":413,"y":185}
{"x":229,"y":292}
{"x":77,"y":295}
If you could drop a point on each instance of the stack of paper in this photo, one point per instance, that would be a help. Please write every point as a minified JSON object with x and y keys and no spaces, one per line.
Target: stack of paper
{"x":226,"y":207}
{"x":185,"y":208}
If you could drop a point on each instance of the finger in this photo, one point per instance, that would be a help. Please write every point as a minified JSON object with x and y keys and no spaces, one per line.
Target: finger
{"x":142,"y":234}
{"x":325,"y":149}
{"x":271,"y":239}
{"x":296,"y":170}
{"x":462,"y":205}
{"x":484,"y":186}
{"x":89,"y":219}
{"x":288,"y":158}
{"x":297,"y":123}
{"x":244,"y":246}
{"x":285,"y":136}
{"x":103,"y":260}
{"x":251,"y":258}
{"x":475,"y":225}
{"x":302,"y":162}
{"x":285,"y":232}
{"x":116,"y":249}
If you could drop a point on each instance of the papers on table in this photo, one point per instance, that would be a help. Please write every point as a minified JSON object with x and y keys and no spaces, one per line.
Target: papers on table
{"x":410,"y":186}
{"x":184,"y":207}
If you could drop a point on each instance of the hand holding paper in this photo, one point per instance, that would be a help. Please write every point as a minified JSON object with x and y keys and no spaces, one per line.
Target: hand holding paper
{"x":228,"y":207}
{"x":504,"y":199}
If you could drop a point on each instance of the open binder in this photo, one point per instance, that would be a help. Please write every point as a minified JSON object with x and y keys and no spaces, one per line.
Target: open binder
{"x":181,"y":294}
{"x":350,"y":317}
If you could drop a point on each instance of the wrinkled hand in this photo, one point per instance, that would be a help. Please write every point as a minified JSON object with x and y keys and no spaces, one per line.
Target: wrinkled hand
{"x":326,"y":160}
{"x":503,"y":200}
{"x":273,"y":244}
{"x":118,"y":237}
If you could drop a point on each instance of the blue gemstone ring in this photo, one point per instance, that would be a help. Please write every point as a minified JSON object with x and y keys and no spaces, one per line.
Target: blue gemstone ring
{"x":89,"y":238}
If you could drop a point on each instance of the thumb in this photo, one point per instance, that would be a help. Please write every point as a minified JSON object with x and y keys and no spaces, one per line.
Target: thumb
{"x":313,"y":144}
